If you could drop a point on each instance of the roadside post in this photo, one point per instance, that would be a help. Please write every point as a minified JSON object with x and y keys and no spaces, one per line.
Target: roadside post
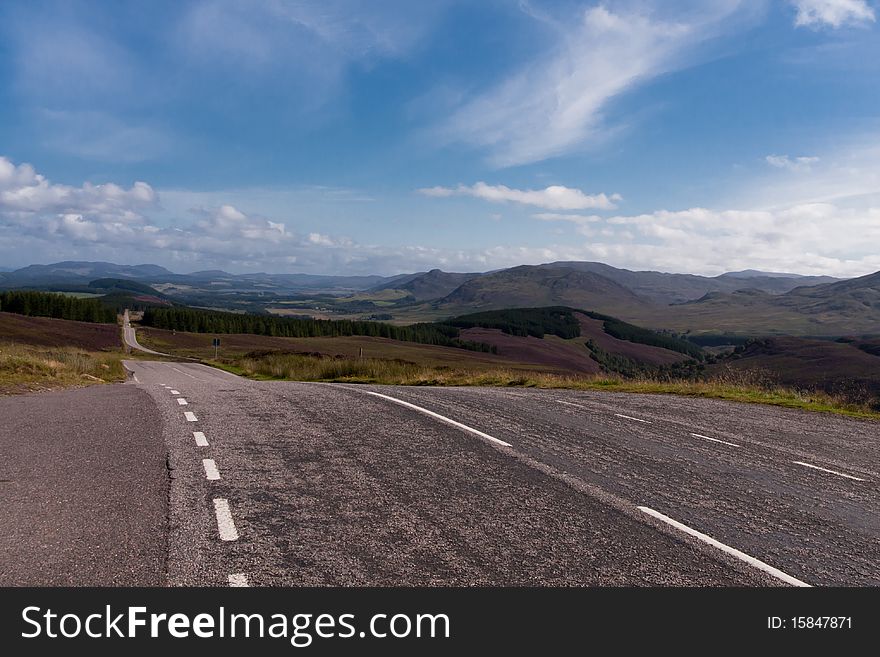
{"x":216,"y":343}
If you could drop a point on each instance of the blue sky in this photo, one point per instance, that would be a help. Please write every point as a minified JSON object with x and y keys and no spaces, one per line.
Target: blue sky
{"x":379,"y":137}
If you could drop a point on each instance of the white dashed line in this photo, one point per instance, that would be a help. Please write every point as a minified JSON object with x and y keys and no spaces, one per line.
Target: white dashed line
{"x":211,"y":471}
{"x":186,"y":374}
{"x":175,"y":392}
{"x":201,"y":441}
{"x":442,"y":418}
{"x":559,"y":401}
{"x":225,"y":524}
{"x":181,"y":401}
{"x":190,"y":416}
{"x":834,"y":472}
{"x":238,"y":580}
{"x":742,"y":556}
{"x":714,"y":440}
{"x":634,"y":419}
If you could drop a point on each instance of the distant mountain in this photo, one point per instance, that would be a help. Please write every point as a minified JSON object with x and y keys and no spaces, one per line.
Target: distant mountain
{"x":832,"y":309}
{"x":426,"y":286}
{"x":754,"y":273}
{"x":70,"y":274}
{"x":666,"y":288}
{"x":532,"y":286}
{"x":78,"y":273}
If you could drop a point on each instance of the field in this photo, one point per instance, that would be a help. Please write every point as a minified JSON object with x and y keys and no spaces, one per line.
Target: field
{"x":198,"y":345}
{"x":48,"y":332}
{"x":40,"y":353}
{"x":840,"y":368}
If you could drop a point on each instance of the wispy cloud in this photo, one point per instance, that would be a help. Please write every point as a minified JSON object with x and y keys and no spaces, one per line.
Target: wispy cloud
{"x":556,"y":104}
{"x":802,"y":163}
{"x":832,"y":13}
{"x":579,"y":219}
{"x":554,"y":197}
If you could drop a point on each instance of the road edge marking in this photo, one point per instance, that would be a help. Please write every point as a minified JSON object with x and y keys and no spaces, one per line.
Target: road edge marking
{"x":714,"y":440}
{"x":834,"y":472}
{"x":635,"y":419}
{"x":742,"y":556}
{"x":442,"y":418}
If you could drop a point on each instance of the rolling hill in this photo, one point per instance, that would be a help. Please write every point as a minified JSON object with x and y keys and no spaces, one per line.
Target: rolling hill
{"x":663,"y":288}
{"x":529,"y":286}
{"x":427,"y":286}
{"x":833,"y":309}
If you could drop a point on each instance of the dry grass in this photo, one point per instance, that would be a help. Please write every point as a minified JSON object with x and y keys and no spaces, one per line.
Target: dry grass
{"x":28,"y":368}
{"x":741,"y":386}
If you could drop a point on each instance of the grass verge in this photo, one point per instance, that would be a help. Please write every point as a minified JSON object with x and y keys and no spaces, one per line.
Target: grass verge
{"x":27,"y":368}
{"x":733,"y":387}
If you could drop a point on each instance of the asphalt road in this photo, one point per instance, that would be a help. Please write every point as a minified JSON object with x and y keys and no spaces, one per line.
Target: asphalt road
{"x":83,"y":489}
{"x":282,"y":483}
{"x":130,"y":338}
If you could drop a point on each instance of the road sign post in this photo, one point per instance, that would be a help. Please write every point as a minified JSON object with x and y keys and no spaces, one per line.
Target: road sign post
{"x":216,"y":343}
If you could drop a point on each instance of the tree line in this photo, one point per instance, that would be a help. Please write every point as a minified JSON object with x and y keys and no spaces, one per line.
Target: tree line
{"x":59,"y":306}
{"x":193,"y":320}
{"x":524,"y":322}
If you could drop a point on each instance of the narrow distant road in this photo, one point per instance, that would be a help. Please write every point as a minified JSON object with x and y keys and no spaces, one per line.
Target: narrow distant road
{"x":128,"y":335}
{"x":295,"y":484}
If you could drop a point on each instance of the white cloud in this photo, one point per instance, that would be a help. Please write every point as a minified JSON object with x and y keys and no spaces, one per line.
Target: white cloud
{"x":556,"y":104}
{"x":803,"y":163}
{"x":809,"y":237}
{"x":25,"y":194}
{"x":554,"y":197}
{"x":579,"y":219}
{"x":322,"y":240}
{"x":50,"y":222}
{"x":832,"y":13}
{"x":229,"y":222}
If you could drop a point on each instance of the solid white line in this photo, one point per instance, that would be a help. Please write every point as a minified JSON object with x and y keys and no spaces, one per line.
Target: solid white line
{"x":714,"y":440}
{"x":211,"y":471}
{"x":181,"y":401}
{"x":627,"y":417}
{"x":135,"y":377}
{"x":238,"y":579}
{"x":175,"y":392}
{"x":225,"y":524}
{"x":442,"y":418}
{"x":190,"y":416}
{"x":834,"y":472}
{"x":201,"y":441}
{"x":742,"y":556}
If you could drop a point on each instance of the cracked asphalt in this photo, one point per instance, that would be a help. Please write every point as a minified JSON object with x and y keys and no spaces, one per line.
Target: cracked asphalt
{"x":329,"y":486}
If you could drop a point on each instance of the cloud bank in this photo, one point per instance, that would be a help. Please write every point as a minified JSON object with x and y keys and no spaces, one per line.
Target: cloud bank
{"x":554,"y":197}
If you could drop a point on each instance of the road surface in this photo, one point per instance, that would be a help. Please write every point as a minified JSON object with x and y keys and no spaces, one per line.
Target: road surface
{"x":83,"y":489}
{"x":284,"y":483}
{"x":130,"y":339}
